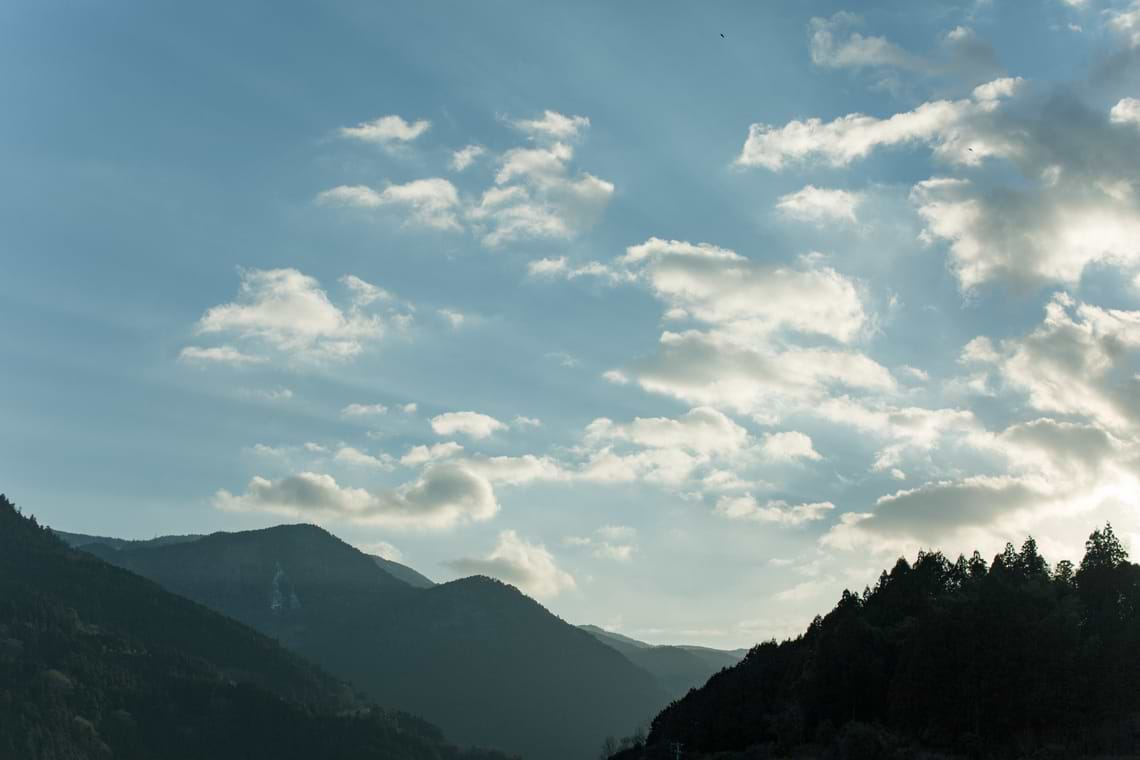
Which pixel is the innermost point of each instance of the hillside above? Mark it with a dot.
(1009, 660)
(403, 572)
(96, 662)
(677, 668)
(485, 662)
(82, 540)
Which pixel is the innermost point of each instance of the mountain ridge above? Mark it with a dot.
(678, 667)
(96, 662)
(490, 665)
(964, 659)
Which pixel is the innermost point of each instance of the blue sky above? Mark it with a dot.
(721, 325)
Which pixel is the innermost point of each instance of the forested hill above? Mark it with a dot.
(489, 665)
(96, 662)
(1009, 660)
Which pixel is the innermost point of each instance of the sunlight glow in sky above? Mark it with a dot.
(681, 334)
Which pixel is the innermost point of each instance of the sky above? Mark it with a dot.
(681, 317)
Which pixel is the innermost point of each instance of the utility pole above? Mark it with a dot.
(676, 747)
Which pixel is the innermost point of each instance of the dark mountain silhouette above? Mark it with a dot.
(96, 662)
(488, 664)
(677, 668)
(940, 659)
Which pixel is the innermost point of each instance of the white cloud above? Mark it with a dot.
(564, 359)
(529, 566)
(933, 512)
(364, 293)
(720, 287)
(616, 376)
(385, 130)
(818, 204)
(553, 125)
(410, 408)
(541, 165)
(834, 45)
(546, 267)
(270, 394)
(617, 532)
(1126, 23)
(906, 430)
(465, 156)
(1074, 205)
(1048, 470)
(1126, 111)
(618, 552)
(444, 496)
(417, 455)
(454, 318)
(525, 422)
(612, 542)
(920, 375)
(1077, 362)
(536, 197)
(430, 202)
(219, 355)
(702, 430)
(559, 267)
(960, 131)
(364, 410)
(471, 424)
(789, 446)
(778, 512)
(357, 458)
(689, 452)
(754, 378)
(360, 196)
(288, 311)
(979, 350)
(671, 467)
(265, 450)
(1050, 235)
(517, 471)
(382, 549)
(961, 55)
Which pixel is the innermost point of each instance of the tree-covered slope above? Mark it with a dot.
(487, 664)
(1011, 660)
(96, 662)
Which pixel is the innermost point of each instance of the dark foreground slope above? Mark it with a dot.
(1009, 661)
(489, 665)
(677, 668)
(96, 662)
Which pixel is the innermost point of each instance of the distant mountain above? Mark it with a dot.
(81, 540)
(940, 659)
(96, 662)
(491, 666)
(677, 668)
(403, 572)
